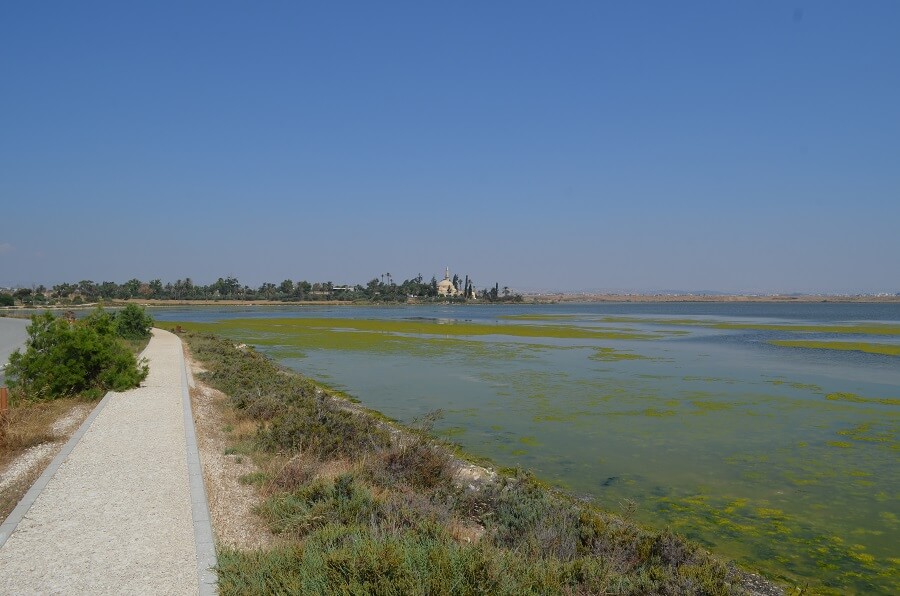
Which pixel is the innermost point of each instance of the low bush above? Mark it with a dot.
(341, 501)
(353, 560)
(63, 359)
(294, 414)
(133, 322)
(416, 459)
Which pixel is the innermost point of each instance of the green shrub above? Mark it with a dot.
(343, 501)
(133, 322)
(353, 560)
(7, 300)
(64, 359)
(299, 417)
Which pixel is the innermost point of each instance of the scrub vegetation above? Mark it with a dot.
(364, 506)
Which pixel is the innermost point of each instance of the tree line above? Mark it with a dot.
(379, 289)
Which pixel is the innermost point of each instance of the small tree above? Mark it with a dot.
(65, 359)
(133, 322)
(7, 300)
(23, 295)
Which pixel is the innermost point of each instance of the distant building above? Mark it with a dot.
(445, 286)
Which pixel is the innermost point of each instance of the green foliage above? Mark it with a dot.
(357, 559)
(298, 415)
(133, 322)
(287, 291)
(7, 300)
(342, 501)
(354, 559)
(64, 359)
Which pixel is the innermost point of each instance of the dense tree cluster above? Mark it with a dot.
(380, 289)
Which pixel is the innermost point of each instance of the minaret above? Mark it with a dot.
(447, 273)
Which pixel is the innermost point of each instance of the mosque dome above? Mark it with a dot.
(445, 287)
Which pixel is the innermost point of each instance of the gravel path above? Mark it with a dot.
(116, 516)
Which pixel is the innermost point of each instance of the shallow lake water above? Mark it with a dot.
(783, 457)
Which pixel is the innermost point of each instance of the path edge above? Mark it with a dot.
(203, 534)
(24, 505)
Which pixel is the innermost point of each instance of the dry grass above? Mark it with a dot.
(12, 494)
(31, 424)
(466, 533)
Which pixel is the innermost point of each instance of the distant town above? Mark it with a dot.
(382, 288)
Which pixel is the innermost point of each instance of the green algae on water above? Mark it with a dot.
(880, 433)
(657, 413)
(430, 327)
(710, 406)
(853, 329)
(852, 397)
(841, 444)
(798, 386)
(855, 346)
(782, 543)
(614, 355)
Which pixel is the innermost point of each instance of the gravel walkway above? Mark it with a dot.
(119, 514)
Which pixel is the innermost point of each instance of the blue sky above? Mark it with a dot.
(749, 146)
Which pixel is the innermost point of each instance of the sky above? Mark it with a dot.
(630, 146)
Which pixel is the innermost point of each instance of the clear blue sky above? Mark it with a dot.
(736, 146)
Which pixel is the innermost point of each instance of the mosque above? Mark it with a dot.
(445, 287)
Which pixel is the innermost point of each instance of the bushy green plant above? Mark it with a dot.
(342, 501)
(133, 322)
(63, 358)
(354, 559)
(6, 300)
(299, 417)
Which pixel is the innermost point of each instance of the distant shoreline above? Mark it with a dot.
(649, 298)
(551, 298)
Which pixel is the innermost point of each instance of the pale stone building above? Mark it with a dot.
(446, 287)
